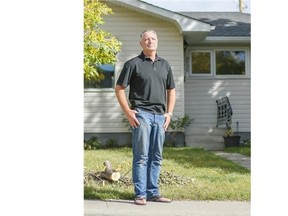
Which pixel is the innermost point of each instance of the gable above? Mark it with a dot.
(185, 24)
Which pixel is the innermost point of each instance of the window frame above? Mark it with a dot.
(213, 61)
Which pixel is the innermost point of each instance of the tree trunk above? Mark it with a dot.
(110, 173)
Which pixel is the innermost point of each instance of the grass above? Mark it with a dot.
(187, 174)
(244, 150)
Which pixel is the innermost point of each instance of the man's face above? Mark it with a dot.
(149, 41)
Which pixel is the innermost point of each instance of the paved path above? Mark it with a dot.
(176, 208)
(236, 158)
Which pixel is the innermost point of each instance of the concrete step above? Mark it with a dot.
(207, 146)
(205, 131)
(210, 143)
(206, 138)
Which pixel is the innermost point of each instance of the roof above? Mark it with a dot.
(185, 24)
(226, 23)
(207, 27)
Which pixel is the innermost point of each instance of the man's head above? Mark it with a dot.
(149, 40)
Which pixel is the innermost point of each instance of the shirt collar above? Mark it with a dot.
(143, 57)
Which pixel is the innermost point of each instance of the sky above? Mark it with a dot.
(201, 5)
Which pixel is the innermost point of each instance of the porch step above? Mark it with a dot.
(205, 130)
(207, 138)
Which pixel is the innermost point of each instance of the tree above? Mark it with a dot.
(100, 47)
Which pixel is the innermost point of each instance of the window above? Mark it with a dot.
(226, 62)
(201, 62)
(107, 70)
(230, 63)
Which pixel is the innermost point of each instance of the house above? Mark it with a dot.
(210, 57)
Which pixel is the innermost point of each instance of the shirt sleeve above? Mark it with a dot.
(170, 79)
(125, 75)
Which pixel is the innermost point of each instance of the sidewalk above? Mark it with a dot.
(176, 208)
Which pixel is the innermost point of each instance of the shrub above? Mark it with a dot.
(180, 123)
(92, 143)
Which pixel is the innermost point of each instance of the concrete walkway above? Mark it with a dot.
(176, 208)
(236, 158)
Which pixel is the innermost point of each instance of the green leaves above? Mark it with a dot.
(180, 123)
(100, 47)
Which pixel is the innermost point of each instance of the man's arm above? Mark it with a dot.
(171, 99)
(130, 114)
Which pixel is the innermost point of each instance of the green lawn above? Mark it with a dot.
(187, 174)
(244, 150)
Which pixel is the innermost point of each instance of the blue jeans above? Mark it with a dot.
(147, 145)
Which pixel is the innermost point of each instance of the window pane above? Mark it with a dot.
(230, 62)
(201, 63)
(107, 71)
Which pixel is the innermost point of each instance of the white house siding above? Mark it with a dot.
(201, 96)
(102, 113)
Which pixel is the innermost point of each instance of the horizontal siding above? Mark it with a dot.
(102, 113)
(201, 96)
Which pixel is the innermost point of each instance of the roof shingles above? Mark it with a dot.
(226, 23)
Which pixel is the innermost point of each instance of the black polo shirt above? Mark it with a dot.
(148, 82)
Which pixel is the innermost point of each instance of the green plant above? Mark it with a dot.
(244, 150)
(247, 142)
(231, 139)
(111, 143)
(92, 143)
(177, 125)
(229, 132)
(180, 123)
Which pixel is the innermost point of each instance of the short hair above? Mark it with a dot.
(147, 30)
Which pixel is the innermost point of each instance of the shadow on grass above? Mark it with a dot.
(199, 158)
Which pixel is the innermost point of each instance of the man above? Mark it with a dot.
(152, 100)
